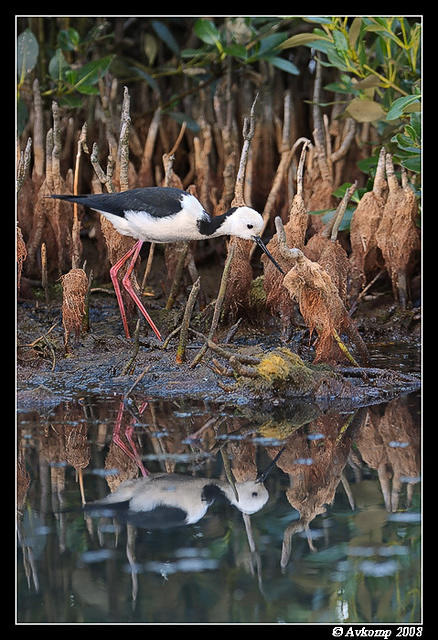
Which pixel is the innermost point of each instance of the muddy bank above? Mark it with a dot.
(98, 361)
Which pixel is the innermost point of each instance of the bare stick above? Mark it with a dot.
(181, 351)
(38, 131)
(57, 145)
(44, 279)
(364, 291)
(231, 333)
(123, 153)
(341, 211)
(344, 349)
(104, 178)
(217, 307)
(137, 380)
(179, 138)
(318, 132)
(76, 229)
(241, 357)
(379, 178)
(248, 134)
(283, 167)
(145, 173)
(148, 265)
(350, 126)
(177, 277)
(170, 336)
(129, 367)
(23, 165)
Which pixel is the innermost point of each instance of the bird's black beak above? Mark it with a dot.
(261, 477)
(262, 246)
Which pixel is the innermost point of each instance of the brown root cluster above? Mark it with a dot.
(398, 236)
(74, 291)
(325, 249)
(320, 305)
(366, 257)
(278, 302)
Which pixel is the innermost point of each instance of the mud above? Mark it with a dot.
(97, 361)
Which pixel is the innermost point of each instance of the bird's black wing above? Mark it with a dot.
(157, 201)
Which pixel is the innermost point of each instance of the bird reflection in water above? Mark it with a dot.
(163, 500)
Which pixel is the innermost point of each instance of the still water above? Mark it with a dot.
(296, 516)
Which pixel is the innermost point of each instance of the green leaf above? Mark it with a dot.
(87, 89)
(284, 65)
(27, 53)
(405, 143)
(91, 72)
(237, 51)
(365, 110)
(412, 164)
(68, 39)
(368, 165)
(73, 102)
(335, 59)
(149, 79)
(318, 20)
(346, 220)
(411, 133)
(150, 47)
(340, 192)
(398, 107)
(301, 39)
(206, 31)
(416, 124)
(354, 31)
(271, 42)
(58, 66)
(163, 32)
(341, 43)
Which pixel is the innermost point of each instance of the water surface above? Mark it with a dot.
(338, 539)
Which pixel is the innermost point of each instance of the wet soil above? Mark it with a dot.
(97, 362)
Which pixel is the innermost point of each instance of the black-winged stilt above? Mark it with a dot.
(163, 500)
(161, 215)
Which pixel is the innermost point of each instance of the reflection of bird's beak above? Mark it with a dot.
(262, 246)
(261, 477)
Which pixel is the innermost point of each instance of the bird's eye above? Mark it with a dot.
(250, 226)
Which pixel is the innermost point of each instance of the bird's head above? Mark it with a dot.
(247, 223)
(244, 222)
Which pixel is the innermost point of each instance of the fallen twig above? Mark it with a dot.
(180, 353)
(217, 308)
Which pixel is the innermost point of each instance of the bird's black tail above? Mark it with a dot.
(77, 199)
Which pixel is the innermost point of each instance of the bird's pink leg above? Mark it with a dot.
(132, 455)
(128, 286)
(128, 434)
(113, 273)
